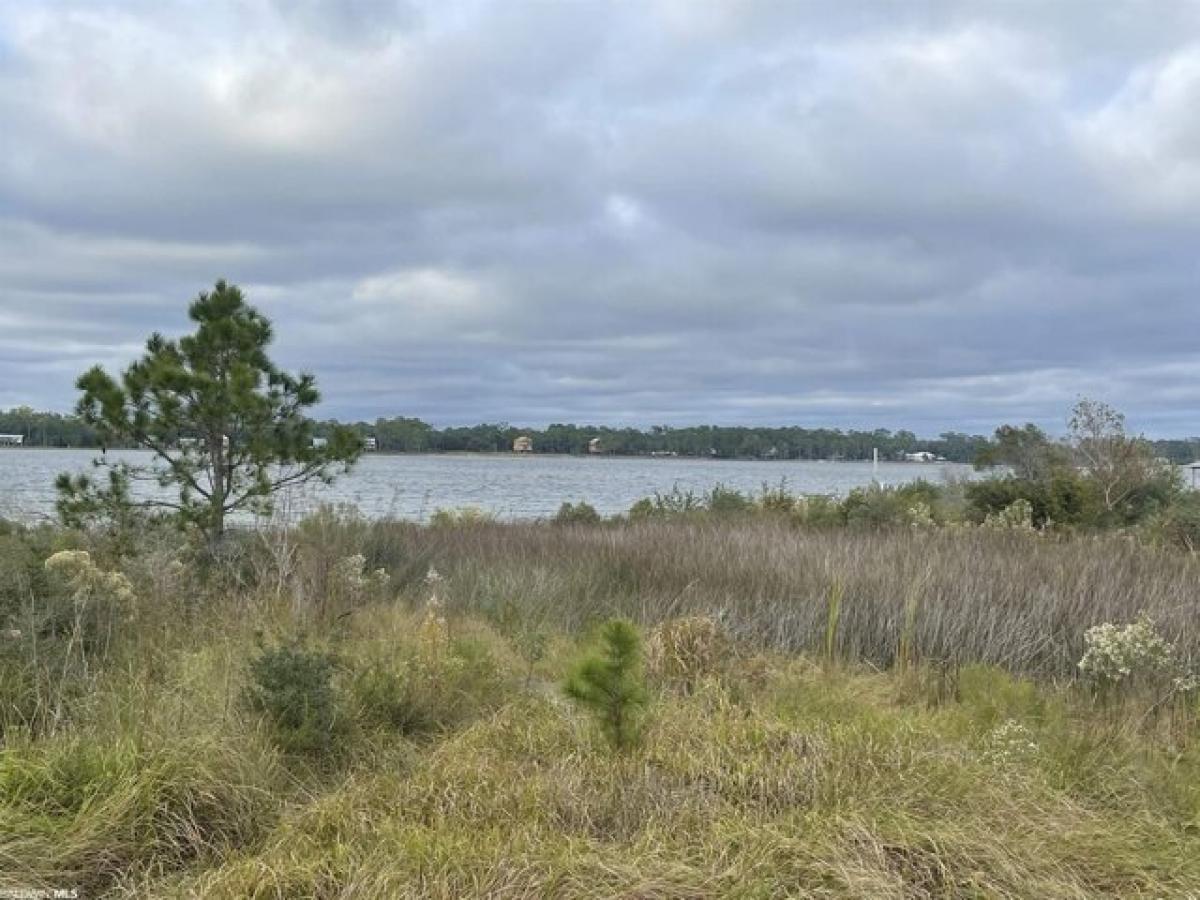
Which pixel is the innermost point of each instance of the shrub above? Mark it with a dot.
(465, 517)
(1117, 654)
(609, 683)
(728, 501)
(293, 686)
(1017, 516)
(881, 507)
(819, 511)
(683, 652)
(581, 513)
(676, 502)
(920, 515)
(1063, 498)
(1177, 525)
(321, 561)
(355, 584)
(432, 685)
(777, 499)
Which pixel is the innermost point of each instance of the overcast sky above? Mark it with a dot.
(906, 215)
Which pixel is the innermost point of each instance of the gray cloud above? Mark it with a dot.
(930, 215)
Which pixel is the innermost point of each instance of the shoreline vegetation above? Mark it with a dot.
(830, 702)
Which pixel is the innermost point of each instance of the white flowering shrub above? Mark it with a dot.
(1017, 516)
(96, 601)
(920, 515)
(87, 583)
(349, 575)
(1008, 743)
(1120, 653)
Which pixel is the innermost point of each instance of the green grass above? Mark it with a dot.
(453, 765)
(833, 787)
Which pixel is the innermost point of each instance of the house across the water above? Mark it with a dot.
(523, 444)
(922, 456)
(11, 440)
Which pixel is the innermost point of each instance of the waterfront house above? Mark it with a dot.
(523, 444)
(370, 444)
(594, 446)
(11, 440)
(921, 456)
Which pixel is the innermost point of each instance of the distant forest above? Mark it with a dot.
(407, 435)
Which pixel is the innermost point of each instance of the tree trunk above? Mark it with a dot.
(216, 519)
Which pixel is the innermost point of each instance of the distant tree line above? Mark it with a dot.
(411, 435)
(414, 436)
(47, 429)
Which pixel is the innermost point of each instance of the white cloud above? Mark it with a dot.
(1145, 142)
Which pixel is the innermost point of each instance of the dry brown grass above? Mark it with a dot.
(952, 596)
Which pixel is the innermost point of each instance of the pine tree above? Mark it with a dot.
(609, 683)
(226, 427)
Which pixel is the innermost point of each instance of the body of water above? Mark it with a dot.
(412, 486)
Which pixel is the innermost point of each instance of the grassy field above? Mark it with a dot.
(894, 713)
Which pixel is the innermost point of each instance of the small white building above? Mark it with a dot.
(921, 456)
(370, 444)
(195, 443)
(594, 446)
(523, 444)
(11, 440)
(320, 443)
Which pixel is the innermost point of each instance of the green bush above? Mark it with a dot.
(458, 518)
(581, 513)
(437, 685)
(675, 502)
(1063, 498)
(723, 500)
(1178, 525)
(293, 686)
(777, 499)
(819, 511)
(609, 683)
(884, 507)
(1158, 495)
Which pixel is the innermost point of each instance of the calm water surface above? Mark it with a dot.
(412, 486)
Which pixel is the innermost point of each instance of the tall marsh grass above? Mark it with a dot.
(1018, 600)
(354, 709)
